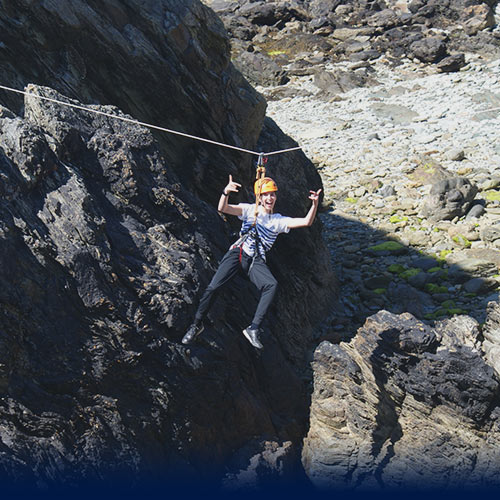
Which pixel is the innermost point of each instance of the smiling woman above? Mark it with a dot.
(259, 230)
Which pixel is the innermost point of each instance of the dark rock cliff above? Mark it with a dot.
(405, 406)
(108, 234)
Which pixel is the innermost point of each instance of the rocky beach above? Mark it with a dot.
(379, 150)
(381, 361)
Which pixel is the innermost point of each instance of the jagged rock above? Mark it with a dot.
(110, 234)
(451, 64)
(491, 334)
(403, 406)
(332, 83)
(386, 19)
(478, 18)
(429, 50)
(449, 198)
(428, 171)
(391, 27)
(490, 233)
(260, 69)
(261, 464)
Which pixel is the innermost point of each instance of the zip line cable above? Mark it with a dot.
(143, 124)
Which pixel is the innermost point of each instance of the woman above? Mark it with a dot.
(248, 254)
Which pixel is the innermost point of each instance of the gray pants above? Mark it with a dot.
(258, 273)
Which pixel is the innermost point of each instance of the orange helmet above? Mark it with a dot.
(264, 185)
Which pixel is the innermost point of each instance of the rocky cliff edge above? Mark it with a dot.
(108, 235)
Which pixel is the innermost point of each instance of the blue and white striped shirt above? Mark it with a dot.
(268, 226)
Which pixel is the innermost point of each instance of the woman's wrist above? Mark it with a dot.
(224, 193)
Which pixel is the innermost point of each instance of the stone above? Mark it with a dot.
(463, 269)
(406, 298)
(386, 191)
(491, 333)
(427, 170)
(261, 69)
(466, 230)
(451, 64)
(476, 210)
(478, 18)
(479, 285)
(456, 154)
(424, 263)
(431, 49)
(449, 198)
(378, 422)
(490, 233)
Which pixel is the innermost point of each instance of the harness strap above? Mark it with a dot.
(258, 243)
(260, 174)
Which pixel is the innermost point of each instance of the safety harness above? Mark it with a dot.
(260, 174)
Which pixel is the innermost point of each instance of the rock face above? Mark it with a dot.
(110, 233)
(491, 333)
(404, 406)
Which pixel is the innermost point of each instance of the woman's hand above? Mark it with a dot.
(232, 187)
(224, 206)
(314, 196)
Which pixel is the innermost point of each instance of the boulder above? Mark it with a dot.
(110, 233)
(478, 18)
(451, 63)
(338, 82)
(403, 406)
(449, 198)
(260, 69)
(491, 333)
(429, 50)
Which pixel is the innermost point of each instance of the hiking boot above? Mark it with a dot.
(193, 331)
(253, 337)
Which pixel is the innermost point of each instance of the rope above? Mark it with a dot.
(143, 124)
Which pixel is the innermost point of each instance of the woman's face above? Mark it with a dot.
(267, 200)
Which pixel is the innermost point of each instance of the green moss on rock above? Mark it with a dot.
(433, 288)
(461, 240)
(388, 246)
(409, 273)
(398, 218)
(492, 195)
(396, 268)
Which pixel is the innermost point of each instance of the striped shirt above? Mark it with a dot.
(268, 227)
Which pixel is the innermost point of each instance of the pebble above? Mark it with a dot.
(420, 115)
